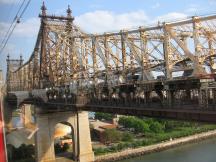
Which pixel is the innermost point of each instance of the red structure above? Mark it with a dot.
(2, 141)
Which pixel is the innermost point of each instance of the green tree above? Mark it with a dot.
(170, 125)
(141, 127)
(105, 116)
(120, 146)
(128, 122)
(24, 152)
(112, 135)
(127, 137)
(65, 147)
(156, 127)
(58, 148)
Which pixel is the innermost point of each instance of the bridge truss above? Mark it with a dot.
(171, 63)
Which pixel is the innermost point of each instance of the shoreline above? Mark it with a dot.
(130, 153)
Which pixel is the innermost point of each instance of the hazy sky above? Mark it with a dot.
(93, 16)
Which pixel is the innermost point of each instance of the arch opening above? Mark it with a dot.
(64, 141)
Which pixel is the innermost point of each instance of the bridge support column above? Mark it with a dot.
(147, 97)
(203, 98)
(26, 114)
(8, 116)
(188, 94)
(214, 96)
(170, 97)
(80, 131)
(86, 154)
(44, 141)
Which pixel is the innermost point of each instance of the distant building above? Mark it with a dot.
(98, 128)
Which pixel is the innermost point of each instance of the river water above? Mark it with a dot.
(204, 151)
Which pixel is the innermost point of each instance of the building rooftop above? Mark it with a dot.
(101, 125)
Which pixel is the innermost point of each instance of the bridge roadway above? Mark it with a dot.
(157, 103)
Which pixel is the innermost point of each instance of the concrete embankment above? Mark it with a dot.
(125, 154)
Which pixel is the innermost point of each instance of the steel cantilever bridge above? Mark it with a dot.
(166, 70)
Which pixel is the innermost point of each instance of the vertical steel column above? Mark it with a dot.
(94, 58)
(170, 96)
(211, 52)
(124, 59)
(198, 60)
(196, 37)
(58, 44)
(144, 55)
(35, 69)
(24, 77)
(132, 60)
(106, 52)
(21, 78)
(167, 52)
(107, 66)
(43, 57)
(75, 59)
(117, 54)
(29, 75)
(85, 73)
(8, 74)
(204, 95)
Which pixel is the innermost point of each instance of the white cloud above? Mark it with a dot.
(171, 17)
(9, 1)
(105, 21)
(28, 28)
(157, 5)
(102, 21)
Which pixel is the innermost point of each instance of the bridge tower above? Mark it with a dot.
(12, 65)
(46, 121)
(1, 77)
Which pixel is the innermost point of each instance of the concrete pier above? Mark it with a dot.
(44, 138)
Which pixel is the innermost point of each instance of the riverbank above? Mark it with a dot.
(129, 153)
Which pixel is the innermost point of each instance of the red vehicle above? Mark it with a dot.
(2, 136)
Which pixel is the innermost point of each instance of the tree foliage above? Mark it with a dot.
(23, 152)
(65, 147)
(135, 123)
(60, 149)
(105, 116)
(127, 137)
(112, 135)
(156, 127)
(155, 130)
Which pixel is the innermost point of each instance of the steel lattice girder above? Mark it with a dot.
(63, 53)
